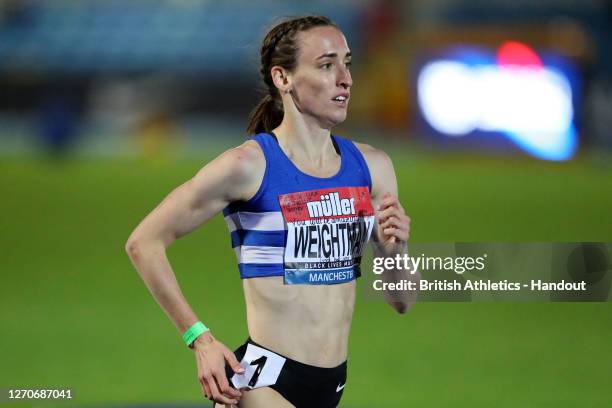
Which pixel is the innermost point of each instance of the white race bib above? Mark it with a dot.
(327, 231)
(261, 368)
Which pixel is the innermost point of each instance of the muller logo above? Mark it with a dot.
(331, 204)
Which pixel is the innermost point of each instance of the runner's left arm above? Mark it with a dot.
(390, 237)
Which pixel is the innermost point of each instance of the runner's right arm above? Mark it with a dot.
(234, 175)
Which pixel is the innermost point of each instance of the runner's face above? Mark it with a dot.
(322, 75)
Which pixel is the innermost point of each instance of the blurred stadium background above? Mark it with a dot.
(497, 114)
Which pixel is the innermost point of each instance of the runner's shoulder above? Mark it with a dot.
(376, 159)
(246, 162)
(237, 172)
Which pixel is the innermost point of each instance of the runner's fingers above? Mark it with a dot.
(382, 208)
(217, 396)
(399, 234)
(389, 212)
(388, 200)
(394, 222)
(202, 379)
(399, 220)
(206, 388)
(233, 362)
(225, 387)
(390, 231)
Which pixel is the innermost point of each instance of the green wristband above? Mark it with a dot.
(193, 332)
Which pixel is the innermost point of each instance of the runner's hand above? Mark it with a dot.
(393, 223)
(211, 356)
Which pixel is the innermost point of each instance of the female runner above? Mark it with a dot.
(300, 204)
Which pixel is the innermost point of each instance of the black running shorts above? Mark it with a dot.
(303, 385)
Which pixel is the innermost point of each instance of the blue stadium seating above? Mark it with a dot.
(118, 36)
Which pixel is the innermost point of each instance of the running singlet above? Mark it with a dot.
(311, 230)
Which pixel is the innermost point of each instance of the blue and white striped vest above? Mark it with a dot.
(259, 230)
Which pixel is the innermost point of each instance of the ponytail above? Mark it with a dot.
(266, 116)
